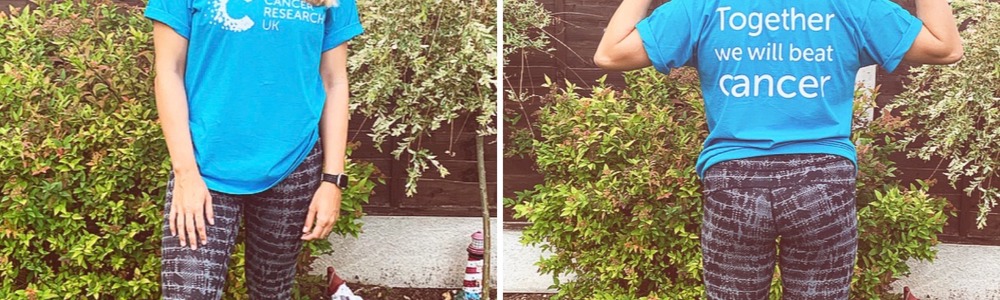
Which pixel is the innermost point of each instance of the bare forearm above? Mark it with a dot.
(171, 104)
(333, 128)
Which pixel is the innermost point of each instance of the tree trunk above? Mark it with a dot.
(484, 197)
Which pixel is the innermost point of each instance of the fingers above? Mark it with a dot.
(310, 218)
(182, 231)
(209, 211)
(191, 208)
(189, 226)
(323, 212)
(322, 223)
(328, 226)
(172, 220)
(199, 223)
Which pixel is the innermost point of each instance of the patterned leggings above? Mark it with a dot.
(806, 200)
(274, 221)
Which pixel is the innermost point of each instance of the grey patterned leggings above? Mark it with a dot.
(274, 221)
(806, 200)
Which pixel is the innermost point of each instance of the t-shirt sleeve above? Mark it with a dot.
(669, 36)
(342, 24)
(173, 13)
(887, 33)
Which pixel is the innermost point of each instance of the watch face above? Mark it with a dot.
(340, 179)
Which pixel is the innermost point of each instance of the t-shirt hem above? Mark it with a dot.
(219, 186)
(906, 41)
(171, 21)
(707, 160)
(342, 35)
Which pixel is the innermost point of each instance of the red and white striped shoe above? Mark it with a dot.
(336, 287)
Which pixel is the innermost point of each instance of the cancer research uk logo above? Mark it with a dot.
(228, 22)
(274, 12)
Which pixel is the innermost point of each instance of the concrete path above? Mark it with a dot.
(415, 252)
(959, 272)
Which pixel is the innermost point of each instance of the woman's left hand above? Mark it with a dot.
(323, 212)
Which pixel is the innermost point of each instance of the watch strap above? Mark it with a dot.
(340, 180)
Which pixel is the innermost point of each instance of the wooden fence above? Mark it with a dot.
(457, 195)
(578, 29)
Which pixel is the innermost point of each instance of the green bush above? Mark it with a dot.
(957, 108)
(83, 166)
(423, 64)
(895, 224)
(621, 202)
(900, 224)
(620, 205)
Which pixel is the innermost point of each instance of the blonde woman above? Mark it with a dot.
(253, 100)
(778, 162)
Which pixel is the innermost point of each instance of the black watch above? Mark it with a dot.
(340, 179)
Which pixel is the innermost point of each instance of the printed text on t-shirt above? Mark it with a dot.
(782, 85)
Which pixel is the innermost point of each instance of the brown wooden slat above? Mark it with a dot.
(466, 171)
(446, 193)
(425, 211)
(462, 146)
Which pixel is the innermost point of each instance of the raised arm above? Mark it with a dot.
(621, 48)
(938, 42)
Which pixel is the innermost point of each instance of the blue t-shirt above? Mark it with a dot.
(777, 76)
(255, 95)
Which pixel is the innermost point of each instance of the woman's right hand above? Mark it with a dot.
(190, 207)
(191, 202)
